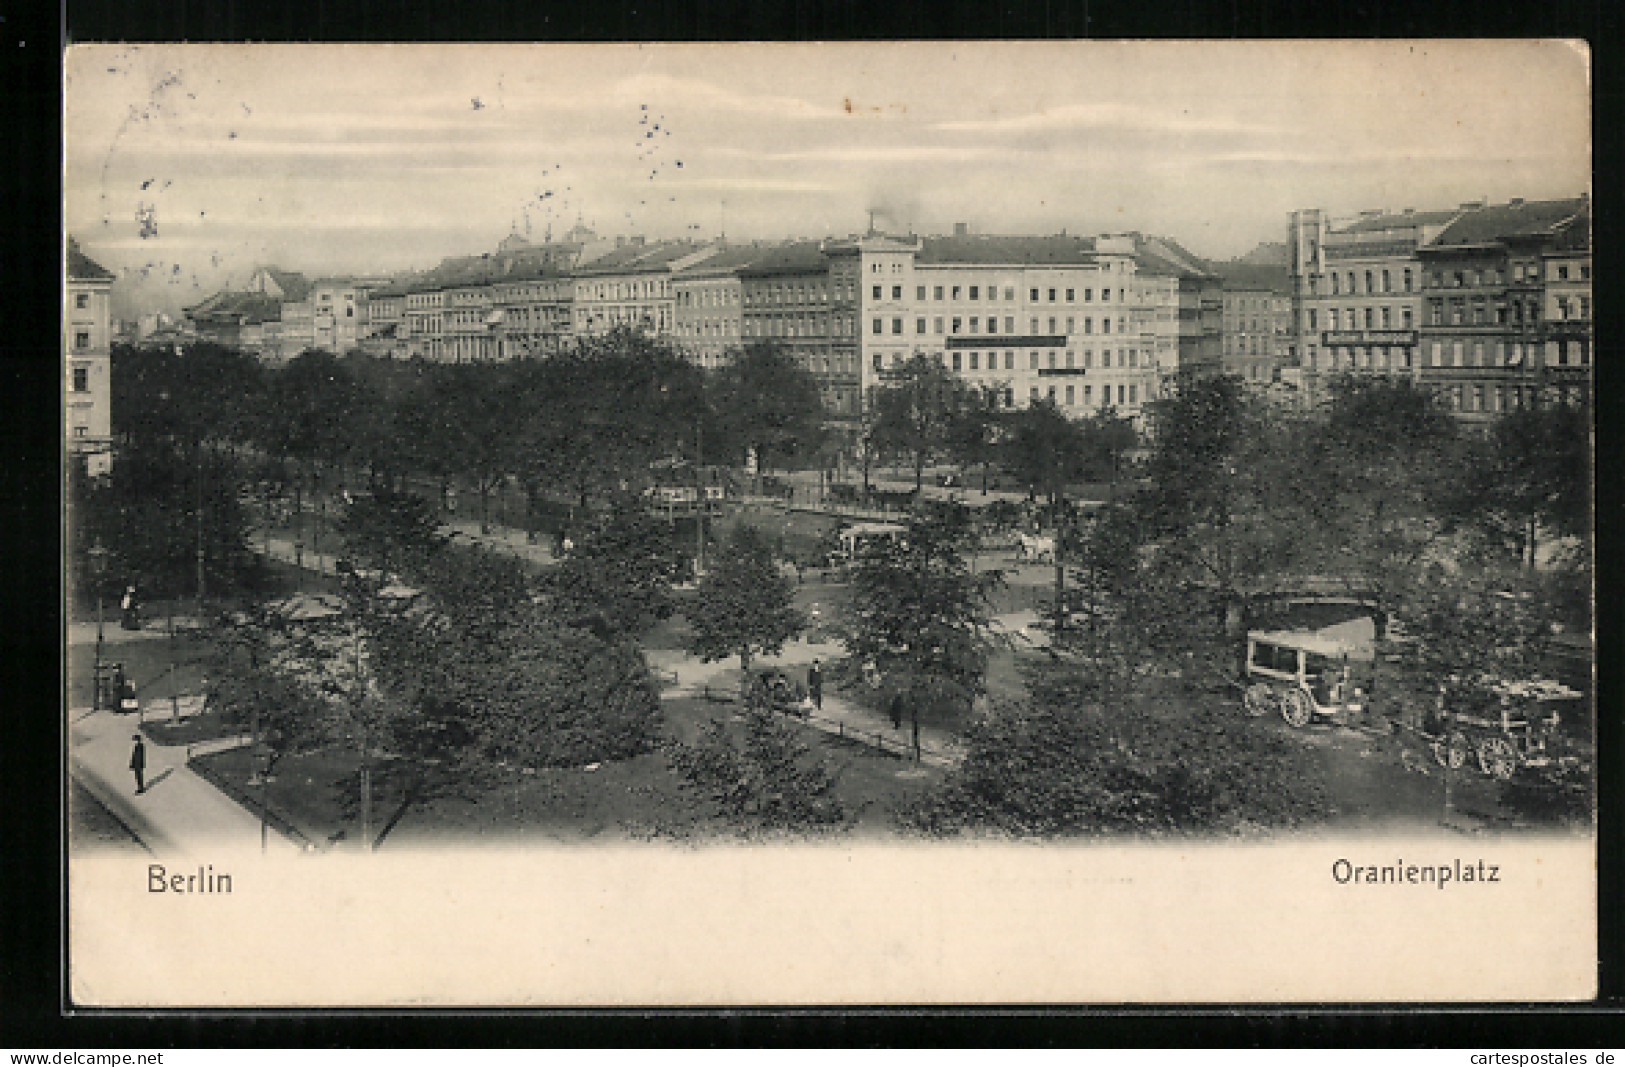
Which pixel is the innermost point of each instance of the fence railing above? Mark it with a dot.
(875, 739)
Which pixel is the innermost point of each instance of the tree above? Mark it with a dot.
(770, 405)
(1536, 477)
(390, 531)
(977, 429)
(618, 579)
(1044, 450)
(766, 781)
(915, 412)
(920, 617)
(744, 605)
(1063, 762)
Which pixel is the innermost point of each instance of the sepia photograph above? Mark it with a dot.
(889, 523)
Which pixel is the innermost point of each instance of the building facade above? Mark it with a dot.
(1506, 298)
(1257, 320)
(1357, 292)
(631, 287)
(802, 298)
(1021, 318)
(87, 366)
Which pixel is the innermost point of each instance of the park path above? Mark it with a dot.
(180, 812)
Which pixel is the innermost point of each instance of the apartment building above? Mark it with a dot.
(1506, 306)
(1062, 318)
(87, 360)
(1356, 290)
(1256, 320)
(802, 295)
(708, 305)
(631, 287)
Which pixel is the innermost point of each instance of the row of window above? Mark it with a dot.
(1347, 282)
(957, 324)
(1127, 358)
(952, 292)
(1352, 318)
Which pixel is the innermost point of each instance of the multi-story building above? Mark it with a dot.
(534, 294)
(87, 360)
(386, 321)
(1061, 318)
(803, 296)
(338, 314)
(1356, 290)
(1506, 306)
(424, 319)
(631, 287)
(1257, 319)
(1199, 312)
(708, 305)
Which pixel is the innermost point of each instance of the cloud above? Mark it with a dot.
(1108, 115)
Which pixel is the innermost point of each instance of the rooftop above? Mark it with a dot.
(1535, 218)
(990, 249)
(81, 268)
(1398, 221)
(640, 258)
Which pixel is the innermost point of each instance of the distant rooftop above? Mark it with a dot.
(1398, 220)
(1535, 218)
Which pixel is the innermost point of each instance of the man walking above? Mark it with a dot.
(897, 711)
(138, 764)
(815, 685)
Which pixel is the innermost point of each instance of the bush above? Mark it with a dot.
(1047, 769)
(767, 781)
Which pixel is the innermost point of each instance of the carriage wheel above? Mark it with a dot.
(1297, 708)
(1259, 699)
(1440, 753)
(1457, 749)
(1497, 758)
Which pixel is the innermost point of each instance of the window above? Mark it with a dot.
(956, 324)
(1052, 324)
(1337, 287)
(877, 292)
(1105, 325)
(1088, 394)
(1069, 360)
(956, 292)
(936, 292)
(975, 323)
(974, 291)
(81, 379)
(1052, 360)
(1071, 294)
(1312, 317)
(81, 339)
(1009, 292)
(1088, 295)
(1032, 394)
(975, 358)
(1033, 323)
(896, 325)
(1009, 361)
(1332, 319)
(919, 325)
(1106, 359)
(936, 324)
(1069, 399)
(1032, 295)
(1032, 360)
(1070, 324)
(897, 292)
(1368, 286)
(1105, 294)
(992, 324)
(1387, 282)
(956, 361)
(1052, 296)
(1132, 390)
(1369, 318)
(81, 300)
(877, 355)
(1088, 358)
(877, 326)
(1120, 394)
(919, 292)
(1585, 272)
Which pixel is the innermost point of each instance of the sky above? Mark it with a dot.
(189, 165)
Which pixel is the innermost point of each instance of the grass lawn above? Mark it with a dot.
(146, 663)
(316, 794)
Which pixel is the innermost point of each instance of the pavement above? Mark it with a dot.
(687, 676)
(181, 812)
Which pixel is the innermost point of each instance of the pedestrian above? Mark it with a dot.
(130, 610)
(897, 711)
(815, 685)
(118, 687)
(138, 763)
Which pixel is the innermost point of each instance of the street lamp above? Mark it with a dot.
(98, 567)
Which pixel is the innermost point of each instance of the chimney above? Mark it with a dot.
(1469, 205)
(637, 241)
(1516, 201)
(1410, 211)
(961, 229)
(1372, 213)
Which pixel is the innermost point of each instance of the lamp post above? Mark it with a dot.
(98, 568)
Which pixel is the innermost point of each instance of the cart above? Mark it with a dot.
(1509, 726)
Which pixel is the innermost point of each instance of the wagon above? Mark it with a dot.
(1306, 674)
(1512, 731)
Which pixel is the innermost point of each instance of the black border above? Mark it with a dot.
(31, 866)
